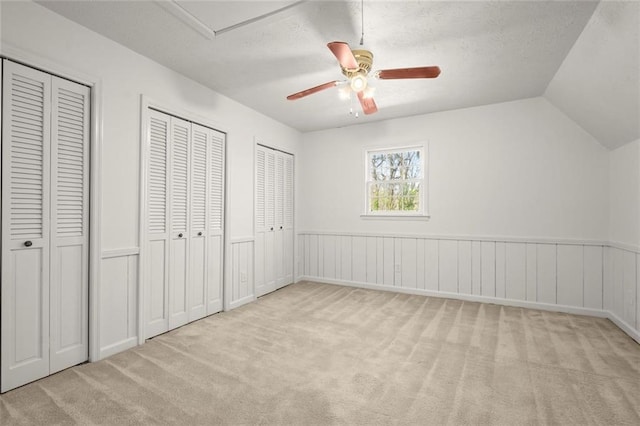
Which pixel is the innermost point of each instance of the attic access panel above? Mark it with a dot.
(218, 15)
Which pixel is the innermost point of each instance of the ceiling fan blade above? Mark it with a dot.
(368, 104)
(343, 53)
(399, 73)
(313, 90)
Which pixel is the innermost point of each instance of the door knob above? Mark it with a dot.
(28, 243)
(271, 229)
(180, 235)
(281, 227)
(199, 234)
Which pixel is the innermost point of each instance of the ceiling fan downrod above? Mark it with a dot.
(362, 22)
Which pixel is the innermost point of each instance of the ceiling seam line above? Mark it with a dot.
(257, 18)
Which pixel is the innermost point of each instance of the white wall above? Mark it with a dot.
(517, 169)
(597, 84)
(622, 260)
(523, 205)
(125, 75)
(624, 194)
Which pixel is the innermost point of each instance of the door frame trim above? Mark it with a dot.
(47, 65)
(147, 103)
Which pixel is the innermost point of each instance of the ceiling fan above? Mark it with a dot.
(356, 65)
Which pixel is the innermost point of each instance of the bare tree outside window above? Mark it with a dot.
(395, 180)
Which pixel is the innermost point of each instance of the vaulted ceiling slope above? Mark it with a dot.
(489, 51)
(583, 56)
(598, 84)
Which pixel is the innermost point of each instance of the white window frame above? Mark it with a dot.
(420, 214)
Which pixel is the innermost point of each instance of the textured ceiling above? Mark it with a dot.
(598, 85)
(489, 51)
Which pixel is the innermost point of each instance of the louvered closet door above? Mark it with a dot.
(156, 286)
(179, 236)
(274, 220)
(215, 246)
(288, 235)
(260, 218)
(278, 236)
(69, 224)
(270, 218)
(200, 140)
(265, 220)
(26, 131)
(184, 249)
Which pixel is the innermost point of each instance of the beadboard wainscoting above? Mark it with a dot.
(589, 278)
(622, 287)
(118, 306)
(241, 289)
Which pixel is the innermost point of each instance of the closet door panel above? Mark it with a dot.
(274, 220)
(68, 307)
(200, 140)
(26, 131)
(179, 238)
(260, 215)
(279, 220)
(69, 285)
(197, 278)
(178, 291)
(288, 219)
(214, 274)
(270, 209)
(156, 285)
(215, 256)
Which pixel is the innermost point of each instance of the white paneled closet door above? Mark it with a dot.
(288, 234)
(215, 243)
(45, 124)
(185, 223)
(278, 240)
(274, 220)
(265, 221)
(69, 224)
(26, 132)
(200, 141)
(270, 222)
(179, 236)
(156, 286)
(260, 219)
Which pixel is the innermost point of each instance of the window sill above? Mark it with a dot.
(418, 217)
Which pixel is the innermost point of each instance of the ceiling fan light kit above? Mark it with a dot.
(358, 83)
(356, 65)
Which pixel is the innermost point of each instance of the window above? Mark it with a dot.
(395, 182)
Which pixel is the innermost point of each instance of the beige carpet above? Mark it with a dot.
(321, 354)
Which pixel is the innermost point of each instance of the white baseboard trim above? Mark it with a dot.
(599, 313)
(466, 297)
(624, 326)
(284, 285)
(237, 303)
(117, 347)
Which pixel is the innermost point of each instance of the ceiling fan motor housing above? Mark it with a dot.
(356, 65)
(365, 61)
